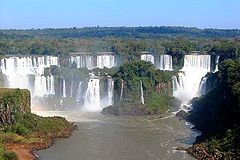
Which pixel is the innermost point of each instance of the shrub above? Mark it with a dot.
(10, 156)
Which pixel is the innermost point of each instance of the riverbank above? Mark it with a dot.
(26, 146)
(134, 137)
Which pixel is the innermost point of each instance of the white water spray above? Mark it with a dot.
(217, 62)
(27, 73)
(83, 61)
(187, 86)
(79, 92)
(64, 89)
(142, 97)
(110, 91)
(71, 94)
(165, 62)
(105, 61)
(147, 57)
(50, 85)
(121, 93)
(92, 96)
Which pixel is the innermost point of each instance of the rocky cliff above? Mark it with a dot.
(13, 101)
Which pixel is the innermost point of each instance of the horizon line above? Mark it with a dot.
(97, 26)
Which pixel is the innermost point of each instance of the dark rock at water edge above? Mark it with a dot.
(182, 115)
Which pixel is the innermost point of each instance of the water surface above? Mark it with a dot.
(120, 138)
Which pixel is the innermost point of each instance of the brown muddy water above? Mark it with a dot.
(103, 137)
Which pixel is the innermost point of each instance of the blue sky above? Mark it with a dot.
(81, 13)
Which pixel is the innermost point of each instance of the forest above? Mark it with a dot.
(216, 114)
(123, 41)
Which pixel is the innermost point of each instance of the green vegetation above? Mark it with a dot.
(126, 43)
(6, 155)
(216, 114)
(133, 32)
(17, 100)
(157, 89)
(19, 125)
(29, 123)
(158, 103)
(81, 74)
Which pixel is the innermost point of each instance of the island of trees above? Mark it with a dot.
(215, 114)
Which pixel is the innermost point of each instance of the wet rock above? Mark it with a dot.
(182, 115)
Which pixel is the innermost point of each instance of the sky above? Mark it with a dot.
(27, 14)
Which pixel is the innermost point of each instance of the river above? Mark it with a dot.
(103, 137)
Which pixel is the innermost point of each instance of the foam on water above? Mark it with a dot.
(186, 87)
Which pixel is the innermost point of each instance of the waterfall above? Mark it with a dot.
(165, 62)
(105, 61)
(147, 57)
(18, 71)
(71, 94)
(195, 68)
(110, 91)
(217, 62)
(40, 86)
(176, 85)
(142, 97)
(203, 83)
(121, 94)
(64, 89)
(50, 85)
(92, 96)
(203, 86)
(79, 92)
(83, 61)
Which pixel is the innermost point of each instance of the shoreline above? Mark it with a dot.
(27, 151)
(30, 149)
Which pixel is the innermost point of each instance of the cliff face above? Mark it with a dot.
(219, 109)
(13, 101)
(216, 114)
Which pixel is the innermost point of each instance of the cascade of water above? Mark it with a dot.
(71, 94)
(195, 67)
(105, 61)
(203, 86)
(121, 94)
(64, 95)
(142, 97)
(217, 62)
(165, 62)
(50, 85)
(18, 69)
(176, 85)
(147, 57)
(92, 96)
(83, 61)
(203, 83)
(79, 92)
(40, 86)
(110, 91)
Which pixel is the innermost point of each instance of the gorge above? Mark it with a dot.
(138, 93)
(94, 91)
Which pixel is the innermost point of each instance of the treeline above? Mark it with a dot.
(122, 32)
(129, 49)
